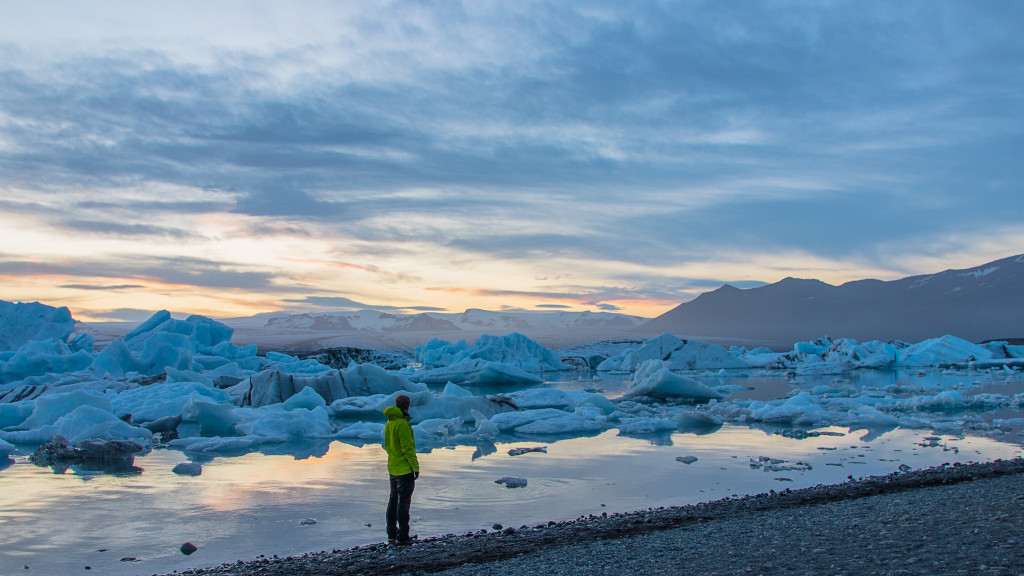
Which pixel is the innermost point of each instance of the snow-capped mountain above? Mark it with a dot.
(986, 302)
(471, 320)
(376, 329)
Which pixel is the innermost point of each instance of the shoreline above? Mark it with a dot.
(452, 552)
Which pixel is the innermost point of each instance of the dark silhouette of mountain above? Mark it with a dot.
(976, 304)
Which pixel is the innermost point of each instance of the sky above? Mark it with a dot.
(231, 158)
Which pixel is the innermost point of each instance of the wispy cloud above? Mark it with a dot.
(352, 148)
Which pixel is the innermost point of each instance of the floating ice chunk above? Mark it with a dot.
(149, 356)
(760, 356)
(438, 427)
(274, 386)
(214, 419)
(83, 423)
(460, 407)
(43, 357)
(680, 354)
(284, 422)
(477, 372)
(115, 361)
(800, 410)
(22, 322)
(306, 398)
(654, 379)
(549, 398)
(50, 408)
(686, 459)
(1004, 350)
(591, 412)
(644, 425)
(454, 390)
(694, 421)
(864, 416)
(438, 352)
(484, 427)
(292, 365)
(15, 413)
(953, 401)
(200, 331)
(362, 431)
(945, 350)
(151, 403)
(873, 354)
(221, 445)
(545, 421)
(511, 349)
(174, 375)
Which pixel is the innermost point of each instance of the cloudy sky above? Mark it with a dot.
(229, 158)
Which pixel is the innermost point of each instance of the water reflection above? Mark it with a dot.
(249, 504)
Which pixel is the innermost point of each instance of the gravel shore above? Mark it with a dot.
(959, 519)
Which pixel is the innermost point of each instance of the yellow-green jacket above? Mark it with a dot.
(399, 443)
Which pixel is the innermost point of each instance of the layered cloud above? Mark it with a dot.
(245, 157)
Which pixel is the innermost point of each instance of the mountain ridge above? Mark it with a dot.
(978, 303)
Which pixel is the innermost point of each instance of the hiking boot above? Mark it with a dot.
(406, 541)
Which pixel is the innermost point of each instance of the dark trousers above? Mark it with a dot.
(398, 506)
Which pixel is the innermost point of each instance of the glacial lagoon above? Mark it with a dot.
(264, 502)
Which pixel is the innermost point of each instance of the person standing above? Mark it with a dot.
(403, 468)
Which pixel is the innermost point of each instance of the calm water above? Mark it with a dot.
(241, 507)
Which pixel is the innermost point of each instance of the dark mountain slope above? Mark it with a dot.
(975, 304)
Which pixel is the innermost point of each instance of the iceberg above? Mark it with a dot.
(273, 386)
(38, 357)
(477, 372)
(655, 379)
(563, 400)
(21, 323)
(680, 354)
(512, 350)
(544, 421)
(285, 422)
(83, 423)
(940, 351)
(159, 401)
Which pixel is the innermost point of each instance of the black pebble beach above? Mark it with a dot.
(951, 519)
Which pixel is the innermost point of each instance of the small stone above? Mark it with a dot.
(521, 451)
(496, 527)
(188, 548)
(511, 482)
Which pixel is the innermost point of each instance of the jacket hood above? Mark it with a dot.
(394, 413)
